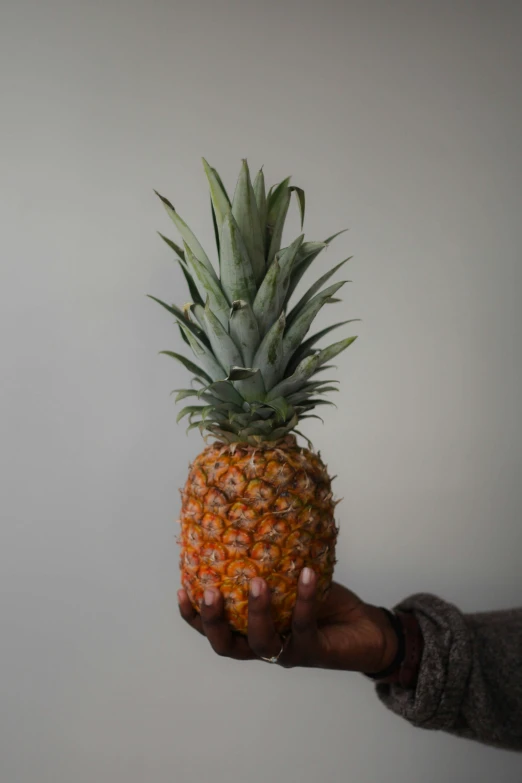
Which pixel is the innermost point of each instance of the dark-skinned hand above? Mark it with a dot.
(341, 632)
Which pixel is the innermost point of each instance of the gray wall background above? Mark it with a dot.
(401, 120)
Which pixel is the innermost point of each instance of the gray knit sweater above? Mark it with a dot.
(470, 678)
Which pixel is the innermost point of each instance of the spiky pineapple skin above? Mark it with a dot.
(263, 511)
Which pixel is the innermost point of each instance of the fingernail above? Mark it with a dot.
(208, 597)
(180, 596)
(306, 575)
(255, 588)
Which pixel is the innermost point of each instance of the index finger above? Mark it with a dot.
(304, 617)
(262, 635)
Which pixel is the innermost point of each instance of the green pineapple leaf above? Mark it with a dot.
(218, 195)
(335, 349)
(309, 390)
(221, 433)
(243, 419)
(183, 335)
(223, 346)
(246, 214)
(216, 229)
(244, 330)
(190, 366)
(224, 391)
(282, 431)
(269, 356)
(272, 291)
(204, 355)
(182, 262)
(327, 367)
(183, 394)
(258, 428)
(291, 384)
(316, 337)
(187, 235)
(189, 410)
(306, 440)
(281, 407)
(277, 209)
(305, 349)
(313, 403)
(241, 373)
(311, 416)
(192, 287)
(176, 248)
(209, 288)
(260, 194)
(251, 386)
(303, 321)
(306, 256)
(227, 408)
(195, 425)
(237, 275)
(180, 316)
(313, 290)
(334, 236)
(320, 389)
(301, 201)
(198, 311)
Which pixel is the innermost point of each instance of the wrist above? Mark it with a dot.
(380, 655)
(402, 667)
(393, 641)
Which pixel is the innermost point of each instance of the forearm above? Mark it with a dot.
(470, 675)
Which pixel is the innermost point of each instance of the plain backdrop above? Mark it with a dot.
(402, 121)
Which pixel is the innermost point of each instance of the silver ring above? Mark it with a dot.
(275, 658)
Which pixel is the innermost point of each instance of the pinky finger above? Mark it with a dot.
(188, 612)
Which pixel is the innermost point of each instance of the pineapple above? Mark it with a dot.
(255, 502)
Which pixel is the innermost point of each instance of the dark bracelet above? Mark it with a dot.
(401, 648)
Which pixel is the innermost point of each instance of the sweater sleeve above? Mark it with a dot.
(470, 676)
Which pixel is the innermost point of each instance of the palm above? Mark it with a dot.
(348, 635)
(341, 632)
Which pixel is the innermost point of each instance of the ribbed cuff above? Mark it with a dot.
(444, 667)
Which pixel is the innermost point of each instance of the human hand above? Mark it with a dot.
(341, 632)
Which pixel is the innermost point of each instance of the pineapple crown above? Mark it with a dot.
(255, 374)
